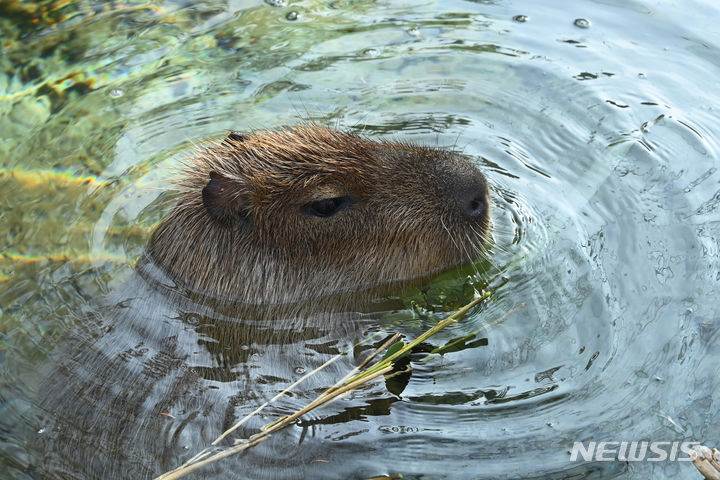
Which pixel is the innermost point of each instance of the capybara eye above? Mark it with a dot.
(327, 207)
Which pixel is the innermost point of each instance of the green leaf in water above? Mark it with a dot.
(458, 344)
(392, 349)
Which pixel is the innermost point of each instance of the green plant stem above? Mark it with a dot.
(436, 328)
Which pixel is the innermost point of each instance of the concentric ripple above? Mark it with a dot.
(594, 122)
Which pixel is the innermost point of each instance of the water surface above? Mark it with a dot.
(595, 123)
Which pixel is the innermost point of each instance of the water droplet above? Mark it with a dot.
(299, 370)
(116, 93)
(521, 18)
(582, 23)
(414, 32)
(193, 319)
(292, 16)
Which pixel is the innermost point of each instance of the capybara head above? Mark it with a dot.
(272, 217)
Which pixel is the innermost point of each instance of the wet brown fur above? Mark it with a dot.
(264, 249)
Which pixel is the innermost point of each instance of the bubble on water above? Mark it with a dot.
(299, 370)
(116, 93)
(582, 23)
(244, 347)
(277, 3)
(41, 431)
(371, 52)
(642, 76)
(292, 16)
(521, 18)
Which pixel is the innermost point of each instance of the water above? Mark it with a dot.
(595, 123)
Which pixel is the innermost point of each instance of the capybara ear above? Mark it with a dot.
(222, 199)
(234, 137)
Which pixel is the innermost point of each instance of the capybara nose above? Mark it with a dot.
(471, 195)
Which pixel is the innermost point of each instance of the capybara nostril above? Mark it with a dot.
(473, 204)
(470, 193)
